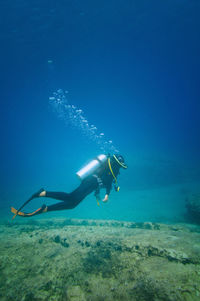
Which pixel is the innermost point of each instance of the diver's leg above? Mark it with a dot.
(74, 198)
(55, 207)
(69, 200)
(62, 196)
(37, 194)
(85, 188)
(63, 205)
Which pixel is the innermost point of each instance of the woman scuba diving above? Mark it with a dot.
(101, 172)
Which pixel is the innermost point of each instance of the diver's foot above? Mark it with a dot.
(38, 194)
(43, 193)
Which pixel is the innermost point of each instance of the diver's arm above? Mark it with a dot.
(108, 189)
(105, 198)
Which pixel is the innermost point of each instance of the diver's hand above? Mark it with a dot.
(105, 198)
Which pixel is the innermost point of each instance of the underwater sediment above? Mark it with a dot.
(89, 260)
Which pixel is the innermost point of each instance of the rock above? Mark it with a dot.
(64, 243)
(57, 239)
(87, 244)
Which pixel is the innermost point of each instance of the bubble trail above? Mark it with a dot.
(74, 117)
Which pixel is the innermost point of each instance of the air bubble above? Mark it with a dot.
(74, 117)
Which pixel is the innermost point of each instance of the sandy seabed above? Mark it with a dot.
(94, 260)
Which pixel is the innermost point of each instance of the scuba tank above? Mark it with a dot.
(91, 167)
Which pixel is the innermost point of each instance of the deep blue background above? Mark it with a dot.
(132, 66)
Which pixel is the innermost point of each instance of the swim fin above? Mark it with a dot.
(23, 214)
(35, 195)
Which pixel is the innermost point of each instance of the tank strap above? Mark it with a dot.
(117, 188)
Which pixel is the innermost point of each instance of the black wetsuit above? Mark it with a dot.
(103, 179)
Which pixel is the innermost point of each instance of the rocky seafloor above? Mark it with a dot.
(89, 260)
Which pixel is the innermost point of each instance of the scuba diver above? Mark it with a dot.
(101, 172)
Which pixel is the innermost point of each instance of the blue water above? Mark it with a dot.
(133, 68)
